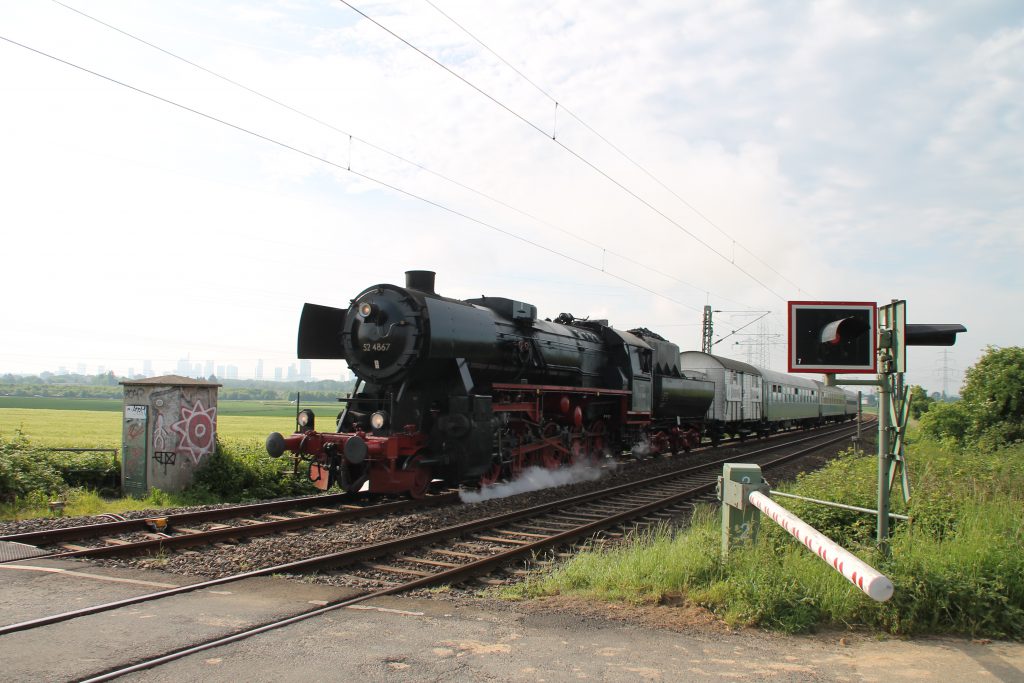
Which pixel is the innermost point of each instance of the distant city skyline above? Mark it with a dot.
(298, 370)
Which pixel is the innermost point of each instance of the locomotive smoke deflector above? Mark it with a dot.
(320, 332)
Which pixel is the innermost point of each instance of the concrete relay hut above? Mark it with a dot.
(170, 430)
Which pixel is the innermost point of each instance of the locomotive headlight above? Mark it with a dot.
(306, 420)
(366, 310)
(379, 420)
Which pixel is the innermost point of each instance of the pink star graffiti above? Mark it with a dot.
(196, 430)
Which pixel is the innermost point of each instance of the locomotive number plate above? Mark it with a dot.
(379, 346)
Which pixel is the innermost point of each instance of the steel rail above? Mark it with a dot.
(74, 533)
(352, 555)
(92, 531)
(190, 540)
(455, 574)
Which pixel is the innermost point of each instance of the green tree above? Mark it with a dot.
(995, 384)
(991, 409)
(920, 401)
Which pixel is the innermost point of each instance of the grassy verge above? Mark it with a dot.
(957, 567)
(80, 502)
(32, 475)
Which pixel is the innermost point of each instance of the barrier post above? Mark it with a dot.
(744, 494)
(740, 519)
(876, 585)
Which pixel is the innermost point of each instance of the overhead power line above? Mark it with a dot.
(382, 183)
(379, 148)
(561, 105)
(565, 147)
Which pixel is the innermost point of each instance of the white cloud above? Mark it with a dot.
(861, 152)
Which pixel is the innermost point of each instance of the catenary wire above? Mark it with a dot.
(383, 150)
(568, 149)
(382, 183)
(561, 105)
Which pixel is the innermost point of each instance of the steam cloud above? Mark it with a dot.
(535, 479)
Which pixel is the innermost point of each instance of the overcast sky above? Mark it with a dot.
(859, 151)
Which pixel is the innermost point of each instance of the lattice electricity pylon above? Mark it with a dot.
(707, 329)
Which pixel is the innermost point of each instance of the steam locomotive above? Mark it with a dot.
(473, 391)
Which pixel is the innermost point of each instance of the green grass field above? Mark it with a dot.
(275, 408)
(79, 427)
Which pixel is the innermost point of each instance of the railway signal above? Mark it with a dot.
(857, 337)
(832, 336)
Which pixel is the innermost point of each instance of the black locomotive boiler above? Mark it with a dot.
(473, 391)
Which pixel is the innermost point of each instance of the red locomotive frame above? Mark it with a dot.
(545, 427)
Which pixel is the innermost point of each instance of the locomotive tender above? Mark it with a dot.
(473, 391)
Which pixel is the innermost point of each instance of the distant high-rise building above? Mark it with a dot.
(197, 370)
(220, 371)
(62, 370)
(259, 369)
(80, 369)
(305, 369)
(131, 373)
(232, 371)
(184, 367)
(278, 372)
(292, 372)
(208, 370)
(147, 368)
(101, 369)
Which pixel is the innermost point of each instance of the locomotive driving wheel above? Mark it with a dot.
(598, 433)
(661, 444)
(550, 457)
(491, 476)
(421, 478)
(691, 439)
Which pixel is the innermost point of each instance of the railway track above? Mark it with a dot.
(455, 553)
(177, 532)
(484, 545)
(187, 530)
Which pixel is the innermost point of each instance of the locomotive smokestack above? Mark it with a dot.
(422, 280)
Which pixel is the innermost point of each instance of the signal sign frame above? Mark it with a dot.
(894, 317)
(813, 313)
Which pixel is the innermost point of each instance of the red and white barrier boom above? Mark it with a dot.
(859, 573)
(743, 493)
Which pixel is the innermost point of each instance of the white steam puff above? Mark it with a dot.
(534, 479)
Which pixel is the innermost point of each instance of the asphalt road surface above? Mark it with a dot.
(420, 639)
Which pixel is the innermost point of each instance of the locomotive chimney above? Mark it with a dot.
(422, 280)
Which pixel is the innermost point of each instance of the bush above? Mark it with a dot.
(970, 580)
(948, 422)
(26, 474)
(244, 472)
(100, 471)
(850, 478)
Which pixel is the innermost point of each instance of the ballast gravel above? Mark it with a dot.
(231, 558)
